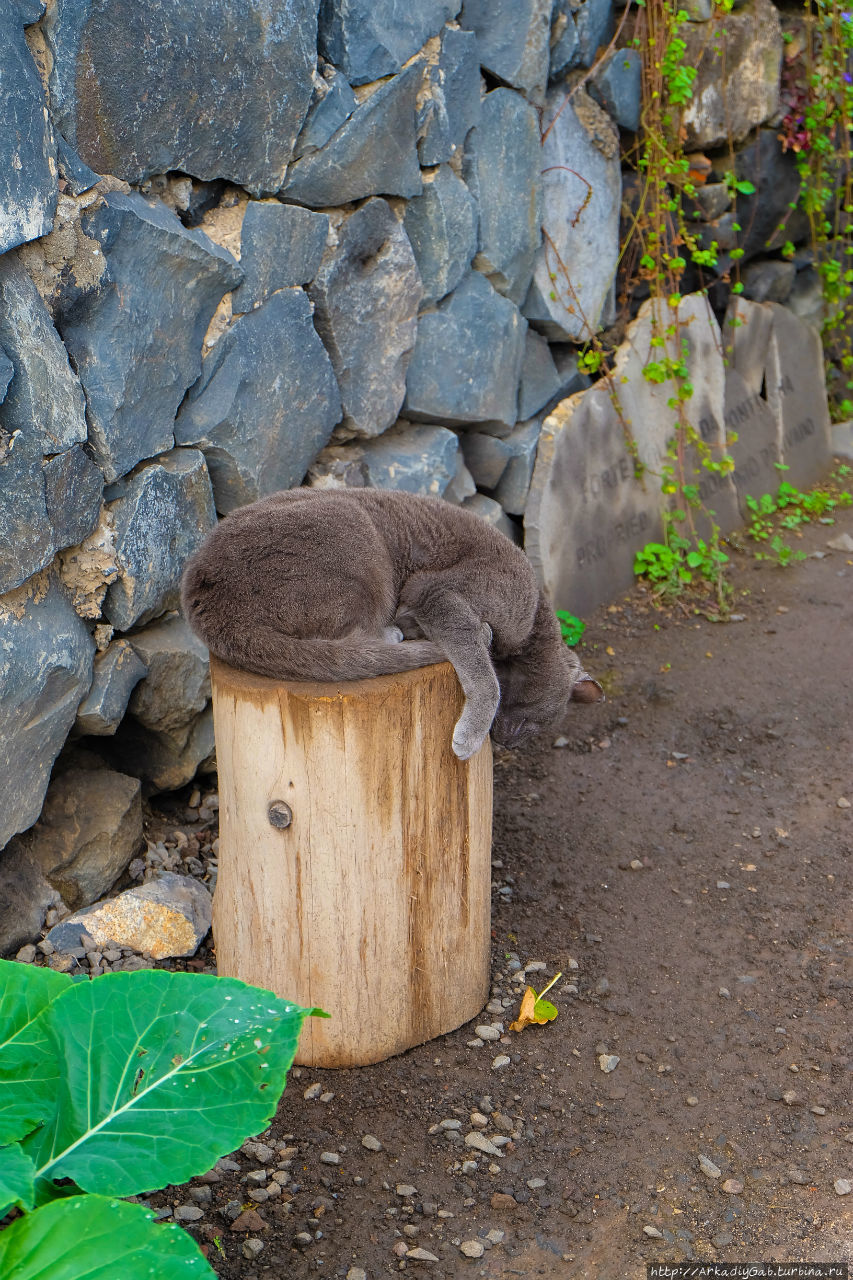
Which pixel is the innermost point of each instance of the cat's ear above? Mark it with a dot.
(586, 689)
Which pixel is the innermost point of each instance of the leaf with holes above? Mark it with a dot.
(162, 1073)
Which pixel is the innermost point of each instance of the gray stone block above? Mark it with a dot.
(540, 379)
(369, 39)
(513, 36)
(265, 404)
(769, 280)
(136, 337)
(486, 457)
(366, 296)
(493, 513)
(74, 488)
(161, 514)
(841, 439)
(373, 153)
(177, 684)
(582, 194)
(25, 898)
(617, 86)
(462, 484)
(281, 246)
(442, 227)
(725, 109)
(45, 670)
(565, 44)
(115, 674)
(796, 396)
(756, 450)
(28, 177)
(78, 176)
(88, 831)
(44, 400)
(594, 22)
(165, 761)
(587, 515)
(512, 489)
(467, 359)
(27, 541)
(508, 157)
(222, 97)
(332, 104)
(451, 104)
(421, 459)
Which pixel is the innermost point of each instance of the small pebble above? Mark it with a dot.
(692, 1100)
(843, 1186)
(494, 1236)
(27, 954)
(843, 802)
(723, 884)
(188, 1213)
(371, 1143)
(488, 1033)
(481, 1143)
(500, 1061)
(329, 1157)
(818, 1111)
(478, 1120)
(535, 1183)
(421, 1255)
(469, 1166)
(495, 1006)
(708, 1167)
(406, 1190)
(653, 1233)
(608, 1062)
(535, 966)
(356, 1273)
(252, 1247)
(725, 993)
(472, 1248)
(732, 1187)
(313, 1091)
(450, 1124)
(635, 864)
(797, 1176)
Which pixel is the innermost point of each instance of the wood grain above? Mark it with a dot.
(374, 902)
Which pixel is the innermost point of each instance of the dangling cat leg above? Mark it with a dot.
(448, 620)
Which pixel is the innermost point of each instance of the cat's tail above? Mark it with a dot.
(268, 652)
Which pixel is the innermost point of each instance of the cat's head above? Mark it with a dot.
(534, 695)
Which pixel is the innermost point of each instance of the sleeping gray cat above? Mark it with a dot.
(315, 584)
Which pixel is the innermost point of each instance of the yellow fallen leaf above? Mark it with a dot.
(611, 651)
(534, 1008)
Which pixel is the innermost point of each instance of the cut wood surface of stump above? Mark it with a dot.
(354, 856)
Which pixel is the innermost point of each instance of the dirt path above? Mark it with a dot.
(685, 862)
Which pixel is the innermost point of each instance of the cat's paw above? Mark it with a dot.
(466, 742)
(392, 635)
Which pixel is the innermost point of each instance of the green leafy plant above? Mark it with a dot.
(788, 509)
(680, 562)
(571, 628)
(116, 1087)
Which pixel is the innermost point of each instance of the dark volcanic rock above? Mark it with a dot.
(136, 337)
(540, 378)
(513, 36)
(332, 104)
(509, 163)
(369, 39)
(28, 176)
(26, 535)
(161, 513)
(114, 677)
(281, 246)
(373, 153)
(221, 94)
(451, 106)
(44, 400)
(265, 404)
(73, 491)
(467, 359)
(366, 296)
(616, 85)
(45, 670)
(442, 226)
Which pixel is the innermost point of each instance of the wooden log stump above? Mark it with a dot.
(354, 856)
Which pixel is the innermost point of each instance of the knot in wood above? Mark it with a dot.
(280, 814)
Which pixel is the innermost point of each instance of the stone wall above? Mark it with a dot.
(315, 242)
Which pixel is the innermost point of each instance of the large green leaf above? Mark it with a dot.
(28, 1065)
(17, 1175)
(98, 1238)
(162, 1074)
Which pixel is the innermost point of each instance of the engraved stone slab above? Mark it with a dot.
(796, 394)
(690, 332)
(587, 515)
(756, 450)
